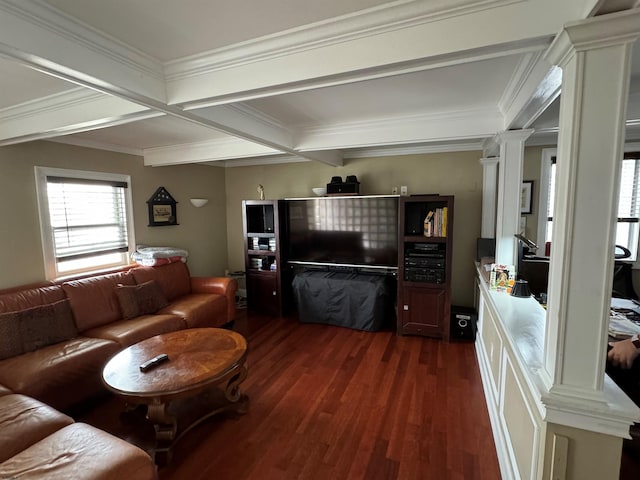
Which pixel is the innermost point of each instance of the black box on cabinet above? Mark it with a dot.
(464, 323)
(346, 188)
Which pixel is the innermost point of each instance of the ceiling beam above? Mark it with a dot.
(311, 58)
(45, 40)
(73, 111)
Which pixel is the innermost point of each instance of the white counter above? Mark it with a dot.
(524, 412)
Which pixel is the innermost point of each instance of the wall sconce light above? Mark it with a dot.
(199, 202)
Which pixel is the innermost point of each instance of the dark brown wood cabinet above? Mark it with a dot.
(425, 229)
(264, 237)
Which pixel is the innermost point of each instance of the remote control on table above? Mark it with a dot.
(155, 361)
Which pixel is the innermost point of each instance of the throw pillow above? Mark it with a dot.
(10, 338)
(127, 299)
(47, 325)
(143, 299)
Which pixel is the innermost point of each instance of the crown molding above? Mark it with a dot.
(111, 147)
(401, 130)
(474, 145)
(374, 21)
(50, 103)
(252, 162)
(518, 79)
(389, 122)
(205, 151)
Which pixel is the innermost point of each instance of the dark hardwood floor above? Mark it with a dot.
(333, 403)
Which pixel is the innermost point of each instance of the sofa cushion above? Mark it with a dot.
(200, 309)
(46, 325)
(17, 299)
(143, 299)
(93, 299)
(25, 421)
(128, 332)
(35, 327)
(60, 375)
(173, 278)
(10, 337)
(80, 451)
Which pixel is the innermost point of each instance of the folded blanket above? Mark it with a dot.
(154, 256)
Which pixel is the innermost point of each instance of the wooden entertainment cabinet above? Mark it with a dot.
(424, 262)
(263, 228)
(424, 265)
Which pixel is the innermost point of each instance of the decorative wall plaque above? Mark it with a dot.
(162, 209)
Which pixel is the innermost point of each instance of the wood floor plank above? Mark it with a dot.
(338, 404)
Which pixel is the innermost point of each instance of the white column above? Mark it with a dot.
(489, 195)
(509, 187)
(595, 58)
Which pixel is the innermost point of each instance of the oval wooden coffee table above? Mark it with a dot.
(204, 363)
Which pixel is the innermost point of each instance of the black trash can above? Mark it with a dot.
(463, 323)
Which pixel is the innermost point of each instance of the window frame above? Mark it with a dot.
(46, 231)
(543, 198)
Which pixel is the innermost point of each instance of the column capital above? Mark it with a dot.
(604, 30)
(488, 161)
(513, 136)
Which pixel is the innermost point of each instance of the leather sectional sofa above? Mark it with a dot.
(55, 338)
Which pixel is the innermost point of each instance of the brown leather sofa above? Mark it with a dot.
(36, 441)
(66, 370)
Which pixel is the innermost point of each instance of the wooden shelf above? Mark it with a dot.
(423, 239)
(263, 253)
(261, 234)
(267, 290)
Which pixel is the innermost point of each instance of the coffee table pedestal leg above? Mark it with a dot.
(166, 427)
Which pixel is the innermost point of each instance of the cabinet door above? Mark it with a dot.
(262, 293)
(422, 311)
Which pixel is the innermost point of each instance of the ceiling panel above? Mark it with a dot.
(166, 29)
(478, 85)
(151, 133)
(20, 84)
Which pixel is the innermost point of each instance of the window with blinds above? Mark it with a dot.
(627, 229)
(85, 225)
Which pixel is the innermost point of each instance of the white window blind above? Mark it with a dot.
(88, 217)
(86, 220)
(628, 220)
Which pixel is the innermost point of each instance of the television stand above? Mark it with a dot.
(362, 301)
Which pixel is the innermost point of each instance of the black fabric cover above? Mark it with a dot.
(354, 300)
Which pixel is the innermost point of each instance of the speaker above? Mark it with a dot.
(464, 323)
(413, 219)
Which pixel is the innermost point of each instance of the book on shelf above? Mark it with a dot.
(435, 222)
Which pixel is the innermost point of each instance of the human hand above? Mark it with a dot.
(622, 353)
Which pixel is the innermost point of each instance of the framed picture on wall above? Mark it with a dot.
(526, 196)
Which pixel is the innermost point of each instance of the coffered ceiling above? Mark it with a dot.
(255, 81)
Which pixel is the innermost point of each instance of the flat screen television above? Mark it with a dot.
(358, 231)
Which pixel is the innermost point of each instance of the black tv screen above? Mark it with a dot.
(360, 231)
